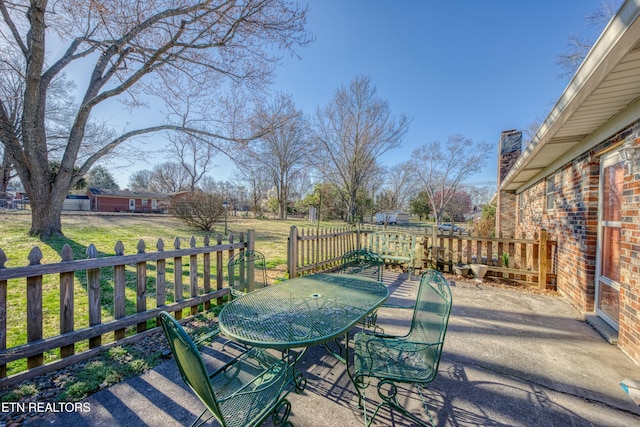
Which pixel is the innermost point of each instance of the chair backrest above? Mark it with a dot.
(190, 363)
(395, 244)
(247, 271)
(432, 310)
(364, 263)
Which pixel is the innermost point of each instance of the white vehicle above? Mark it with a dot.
(448, 228)
(392, 218)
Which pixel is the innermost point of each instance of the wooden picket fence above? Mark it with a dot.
(527, 261)
(205, 284)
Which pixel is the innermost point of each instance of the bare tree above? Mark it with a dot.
(130, 49)
(198, 209)
(169, 177)
(397, 186)
(282, 153)
(57, 117)
(579, 45)
(351, 134)
(440, 169)
(459, 206)
(141, 180)
(194, 156)
(256, 180)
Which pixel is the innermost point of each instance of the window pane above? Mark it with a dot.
(612, 192)
(611, 253)
(609, 301)
(550, 201)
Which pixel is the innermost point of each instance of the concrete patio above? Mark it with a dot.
(511, 358)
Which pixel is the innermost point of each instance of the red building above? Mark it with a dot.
(106, 200)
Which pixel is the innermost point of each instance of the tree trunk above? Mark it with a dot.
(46, 215)
(283, 209)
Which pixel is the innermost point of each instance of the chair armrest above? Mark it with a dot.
(254, 372)
(389, 341)
(206, 336)
(385, 305)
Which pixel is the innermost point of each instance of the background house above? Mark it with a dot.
(74, 202)
(579, 178)
(106, 200)
(392, 217)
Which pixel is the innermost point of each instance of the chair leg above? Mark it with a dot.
(282, 420)
(388, 392)
(200, 421)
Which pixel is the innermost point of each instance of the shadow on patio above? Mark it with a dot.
(511, 358)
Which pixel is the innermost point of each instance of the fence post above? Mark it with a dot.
(119, 292)
(292, 252)
(206, 270)
(193, 275)
(434, 246)
(141, 280)
(220, 271)
(66, 301)
(3, 313)
(542, 257)
(34, 308)
(177, 277)
(161, 276)
(251, 267)
(93, 287)
(251, 240)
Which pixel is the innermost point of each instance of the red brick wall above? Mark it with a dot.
(629, 322)
(573, 223)
(111, 204)
(506, 223)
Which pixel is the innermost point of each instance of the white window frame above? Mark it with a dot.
(606, 161)
(550, 193)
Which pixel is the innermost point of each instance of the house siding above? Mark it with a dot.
(106, 200)
(573, 223)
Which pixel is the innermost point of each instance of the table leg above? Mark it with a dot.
(292, 358)
(337, 355)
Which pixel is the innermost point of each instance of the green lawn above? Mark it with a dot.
(104, 231)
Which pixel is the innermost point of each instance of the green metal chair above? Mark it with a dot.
(412, 358)
(363, 263)
(243, 392)
(247, 271)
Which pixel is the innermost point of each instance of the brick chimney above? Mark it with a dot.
(509, 151)
(506, 210)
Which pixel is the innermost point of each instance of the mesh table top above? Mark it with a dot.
(301, 312)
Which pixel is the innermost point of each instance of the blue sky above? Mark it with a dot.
(469, 67)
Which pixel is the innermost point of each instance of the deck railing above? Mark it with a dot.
(139, 286)
(528, 261)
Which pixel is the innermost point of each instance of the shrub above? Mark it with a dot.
(487, 223)
(199, 209)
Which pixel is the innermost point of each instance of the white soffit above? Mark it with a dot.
(599, 101)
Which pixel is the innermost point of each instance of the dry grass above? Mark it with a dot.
(104, 231)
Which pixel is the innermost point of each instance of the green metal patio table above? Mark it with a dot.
(301, 312)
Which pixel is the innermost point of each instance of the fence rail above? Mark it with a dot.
(528, 261)
(148, 273)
